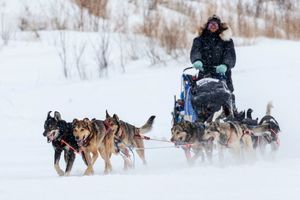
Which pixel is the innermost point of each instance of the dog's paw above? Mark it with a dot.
(60, 172)
(128, 164)
(88, 172)
(67, 173)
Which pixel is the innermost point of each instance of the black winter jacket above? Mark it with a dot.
(214, 49)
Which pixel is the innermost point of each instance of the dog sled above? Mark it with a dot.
(201, 96)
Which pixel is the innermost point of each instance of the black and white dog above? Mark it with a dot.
(60, 133)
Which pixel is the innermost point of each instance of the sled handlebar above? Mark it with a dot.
(187, 68)
(201, 75)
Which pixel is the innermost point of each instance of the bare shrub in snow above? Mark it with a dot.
(101, 54)
(58, 21)
(245, 27)
(95, 7)
(6, 30)
(151, 21)
(133, 52)
(180, 6)
(153, 4)
(275, 19)
(30, 22)
(152, 52)
(173, 36)
(121, 22)
(78, 52)
(121, 45)
(61, 47)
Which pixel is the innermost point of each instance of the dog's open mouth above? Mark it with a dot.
(52, 135)
(81, 141)
(211, 139)
(179, 143)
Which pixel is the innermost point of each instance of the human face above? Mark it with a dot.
(213, 26)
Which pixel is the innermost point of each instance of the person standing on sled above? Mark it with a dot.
(213, 52)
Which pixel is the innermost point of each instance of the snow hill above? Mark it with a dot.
(30, 88)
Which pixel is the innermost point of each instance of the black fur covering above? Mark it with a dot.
(65, 134)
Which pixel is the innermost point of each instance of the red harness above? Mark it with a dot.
(248, 132)
(277, 138)
(107, 127)
(67, 144)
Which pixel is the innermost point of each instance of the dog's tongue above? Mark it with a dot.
(80, 143)
(50, 138)
(211, 139)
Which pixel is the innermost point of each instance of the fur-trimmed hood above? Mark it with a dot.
(225, 33)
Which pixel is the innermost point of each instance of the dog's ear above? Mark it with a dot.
(48, 115)
(87, 123)
(74, 121)
(216, 125)
(222, 126)
(174, 122)
(57, 116)
(91, 125)
(86, 120)
(115, 116)
(107, 115)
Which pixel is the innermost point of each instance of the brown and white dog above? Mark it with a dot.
(266, 132)
(90, 136)
(125, 135)
(229, 135)
(189, 136)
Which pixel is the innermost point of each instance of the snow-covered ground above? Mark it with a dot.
(31, 84)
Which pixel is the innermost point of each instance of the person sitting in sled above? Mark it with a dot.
(213, 52)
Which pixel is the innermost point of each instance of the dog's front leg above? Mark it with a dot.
(221, 153)
(57, 155)
(235, 150)
(248, 148)
(106, 157)
(187, 153)
(198, 153)
(84, 158)
(209, 151)
(89, 170)
(70, 161)
(95, 156)
(262, 145)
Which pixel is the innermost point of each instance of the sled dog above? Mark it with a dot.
(189, 134)
(60, 134)
(89, 135)
(266, 132)
(228, 135)
(126, 135)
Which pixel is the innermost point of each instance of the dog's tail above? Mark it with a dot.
(249, 113)
(148, 126)
(269, 108)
